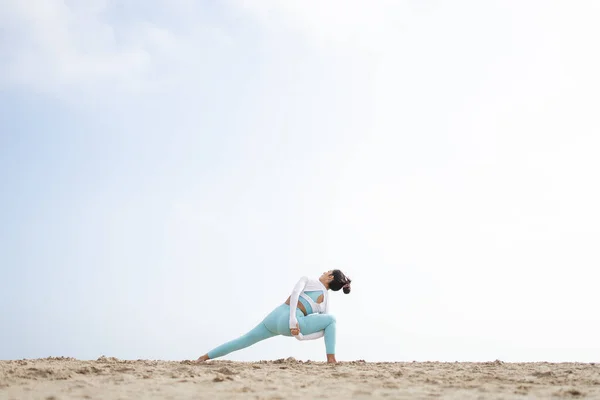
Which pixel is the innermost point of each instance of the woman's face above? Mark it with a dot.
(327, 276)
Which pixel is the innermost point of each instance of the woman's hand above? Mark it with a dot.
(295, 331)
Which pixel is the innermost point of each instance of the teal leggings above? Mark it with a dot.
(277, 323)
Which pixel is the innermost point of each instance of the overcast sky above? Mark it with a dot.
(169, 169)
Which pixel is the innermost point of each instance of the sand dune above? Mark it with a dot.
(110, 378)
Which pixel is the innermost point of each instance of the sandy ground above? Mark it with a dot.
(110, 378)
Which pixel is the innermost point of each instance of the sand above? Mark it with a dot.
(110, 378)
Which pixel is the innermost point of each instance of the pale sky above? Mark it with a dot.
(169, 170)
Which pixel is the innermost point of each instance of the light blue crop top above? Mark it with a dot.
(313, 295)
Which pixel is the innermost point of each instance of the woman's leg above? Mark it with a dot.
(320, 322)
(278, 321)
(260, 332)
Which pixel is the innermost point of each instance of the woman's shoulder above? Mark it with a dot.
(313, 284)
(310, 284)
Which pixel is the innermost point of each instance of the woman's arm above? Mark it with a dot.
(311, 336)
(294, 300)
(316, 335)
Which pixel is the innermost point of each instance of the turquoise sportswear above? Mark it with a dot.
(276, 323)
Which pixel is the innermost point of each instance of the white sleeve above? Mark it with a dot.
(312, 336)
(299, 288)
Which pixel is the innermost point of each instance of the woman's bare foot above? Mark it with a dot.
(202, 359)
(331, 359)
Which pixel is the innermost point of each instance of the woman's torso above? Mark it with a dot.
(316, 295)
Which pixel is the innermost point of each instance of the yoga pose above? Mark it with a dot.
(304, 315)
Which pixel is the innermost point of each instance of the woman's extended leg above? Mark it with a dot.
(320, 322)
(260, 332)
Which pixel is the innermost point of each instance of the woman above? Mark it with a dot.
(304, 315)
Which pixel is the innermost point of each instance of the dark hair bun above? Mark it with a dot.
(340, 281)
